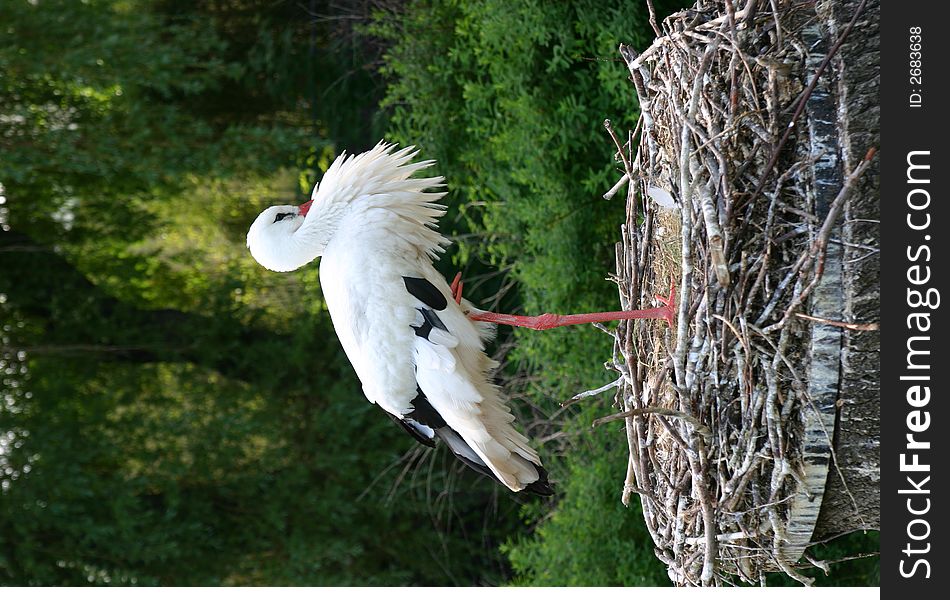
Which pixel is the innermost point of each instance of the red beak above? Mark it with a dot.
(305, 207)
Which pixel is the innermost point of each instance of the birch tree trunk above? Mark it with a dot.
(852, 493)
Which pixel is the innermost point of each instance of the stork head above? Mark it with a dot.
(271, 238)
(285, 238)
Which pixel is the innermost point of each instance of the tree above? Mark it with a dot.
(171, 414)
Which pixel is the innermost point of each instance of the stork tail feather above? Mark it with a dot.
(467, 455)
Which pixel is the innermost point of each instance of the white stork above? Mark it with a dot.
(415, 343)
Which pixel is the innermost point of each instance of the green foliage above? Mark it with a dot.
(170, 474)
(590, 539)
(97, 121)
(171, 413)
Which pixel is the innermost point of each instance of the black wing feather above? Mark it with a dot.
(409, 427)
(425, 292)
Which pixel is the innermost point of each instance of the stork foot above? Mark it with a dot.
(669, 303)
(457, 288)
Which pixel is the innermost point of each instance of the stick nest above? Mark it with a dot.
(712, 406)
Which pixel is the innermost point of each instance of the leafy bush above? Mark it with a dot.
(170, 413)
(590, 538)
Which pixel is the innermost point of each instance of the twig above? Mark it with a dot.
(653, 24)
(806, 95)
(599, 390)
(656, 410)
(842, 324)
(623, 157)
(616, 188)
(816, 253)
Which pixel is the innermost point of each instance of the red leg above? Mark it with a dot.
(549, 320)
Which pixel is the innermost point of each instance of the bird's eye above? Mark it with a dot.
(281, 216)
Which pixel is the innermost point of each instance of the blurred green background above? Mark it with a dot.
(173, 414)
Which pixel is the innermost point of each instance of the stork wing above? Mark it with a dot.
(452, 372)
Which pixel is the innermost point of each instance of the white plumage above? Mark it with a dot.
(415, 350)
